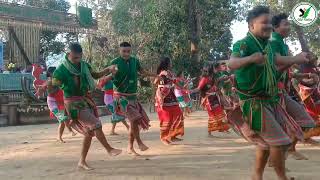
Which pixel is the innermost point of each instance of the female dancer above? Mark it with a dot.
(107, 85)
(181, 93)
(56, 105)
(211, 101)
(169, 112)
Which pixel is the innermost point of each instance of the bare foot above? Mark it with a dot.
(59, 139)
(84, 166)
(131, 151)
(175, 139)
(114, 134)
(312, 142)
(298, 156)
(114, 152)
(166, 142)
(256, 177)
(143, 147)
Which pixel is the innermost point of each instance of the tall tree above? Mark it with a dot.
(195, 28)
(186, 30)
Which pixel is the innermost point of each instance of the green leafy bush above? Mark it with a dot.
(145, 94)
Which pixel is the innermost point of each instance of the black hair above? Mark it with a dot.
(204, 90)
(164, 64)
(210, 69)
(50, 71)
(256, 12)
(276, 20)
(125, 44)
(75, 48)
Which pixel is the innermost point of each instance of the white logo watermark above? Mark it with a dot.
(304, 14)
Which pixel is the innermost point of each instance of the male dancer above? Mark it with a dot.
(254, 63)
(75, 77)
(125, 83)
(281, 27)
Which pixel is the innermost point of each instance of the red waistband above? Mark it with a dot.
(110, 91)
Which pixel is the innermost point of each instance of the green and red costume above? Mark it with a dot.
(125, 85)
(257, 88)
(294, 108)
(76, 82)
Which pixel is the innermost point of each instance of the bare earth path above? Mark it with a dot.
(32, 153)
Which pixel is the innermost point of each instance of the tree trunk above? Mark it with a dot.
(195, 29)
(302, 38)
(90, 44)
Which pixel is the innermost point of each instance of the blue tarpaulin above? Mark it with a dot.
(1, 55)
(12, 81)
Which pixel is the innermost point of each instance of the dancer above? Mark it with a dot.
(181, 93)
(125, 93)
(169, 112)
(254, 63)
(187, 92)
(225, 81)
(211, 101)
(309, 92)
(56, 104)
(106, 84)
(281, 28)
(75, 77)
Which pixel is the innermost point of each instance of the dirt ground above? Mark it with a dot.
(32, 153)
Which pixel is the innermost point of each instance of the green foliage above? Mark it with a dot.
(162, 28)
(59, 5)
(145, 94)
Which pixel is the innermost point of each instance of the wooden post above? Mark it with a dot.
(4, 100)
(16, 39)
(13, 115)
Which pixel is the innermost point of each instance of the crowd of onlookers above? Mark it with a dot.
(16, 70)
(7, 70)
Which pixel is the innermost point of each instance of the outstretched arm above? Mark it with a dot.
(308, 82)
(144, 72)
(290, 60)
(307, 79)
(202, 83)
(108, 70)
